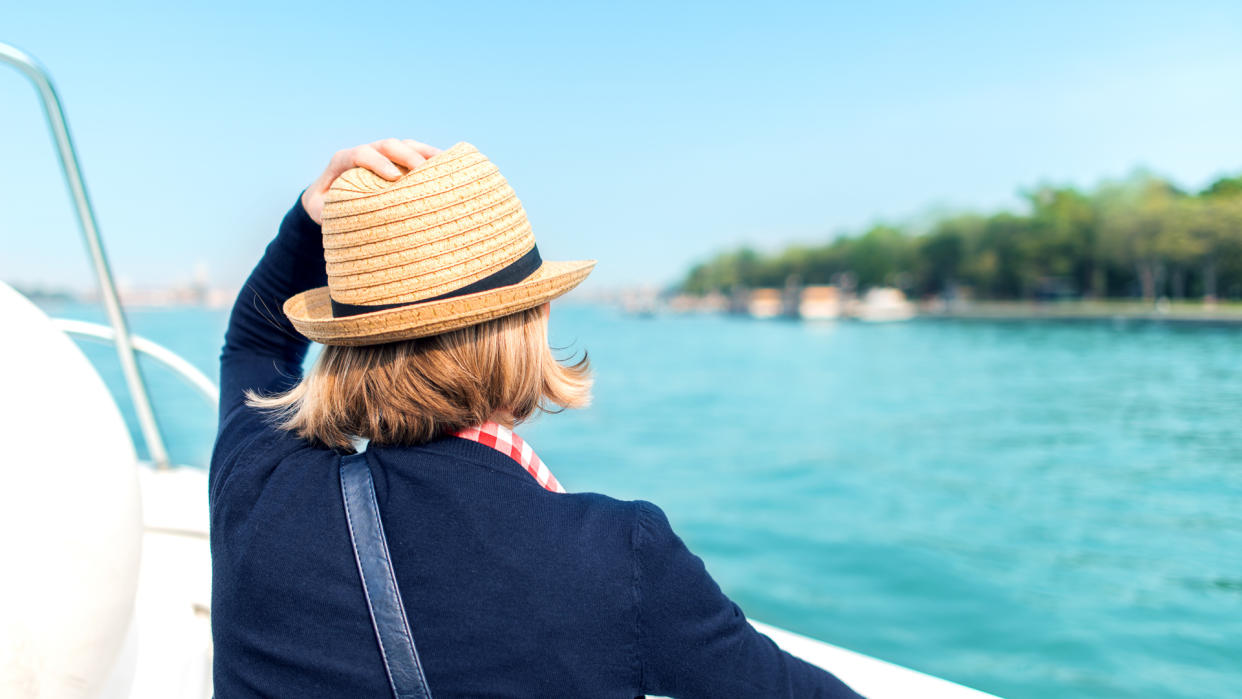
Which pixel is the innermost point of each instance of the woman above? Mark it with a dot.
(476, 577)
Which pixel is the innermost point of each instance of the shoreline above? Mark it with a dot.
(1122, 311)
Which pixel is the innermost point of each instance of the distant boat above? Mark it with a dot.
(765, 303)
(820, 302)
(884, 305)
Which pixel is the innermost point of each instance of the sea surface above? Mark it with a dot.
(1035, 509)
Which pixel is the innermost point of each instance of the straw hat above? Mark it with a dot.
(445, 246)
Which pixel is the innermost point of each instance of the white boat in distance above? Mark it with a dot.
(113, 597)
(883, 305)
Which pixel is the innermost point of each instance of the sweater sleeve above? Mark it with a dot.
(262, 351)
(695, 642)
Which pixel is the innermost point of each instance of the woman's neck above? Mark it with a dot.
(503, 417)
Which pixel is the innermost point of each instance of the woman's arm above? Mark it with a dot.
(695, 642)
(262, 351)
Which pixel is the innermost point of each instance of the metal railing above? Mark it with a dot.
(55, 114)
(160, 353)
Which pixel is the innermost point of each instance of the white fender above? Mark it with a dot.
(70, 515)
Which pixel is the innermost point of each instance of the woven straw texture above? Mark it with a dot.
(452, 221)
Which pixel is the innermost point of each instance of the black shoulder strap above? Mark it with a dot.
(392, 629)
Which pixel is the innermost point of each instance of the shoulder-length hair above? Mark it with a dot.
(412, 391)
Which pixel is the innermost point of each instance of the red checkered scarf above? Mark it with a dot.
(503, 440)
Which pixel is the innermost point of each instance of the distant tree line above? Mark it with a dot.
(1139, 237)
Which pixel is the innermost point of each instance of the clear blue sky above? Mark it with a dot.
(642, 134)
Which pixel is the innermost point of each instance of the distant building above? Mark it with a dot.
(765, 303)
(819, 302)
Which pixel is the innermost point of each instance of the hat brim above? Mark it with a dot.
(311, 311)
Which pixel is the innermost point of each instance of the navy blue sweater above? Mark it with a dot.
(511, 590)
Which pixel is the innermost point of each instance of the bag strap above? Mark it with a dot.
(379, 584)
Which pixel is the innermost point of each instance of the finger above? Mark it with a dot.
(341, 161)
(371, 159)
(423, 149)
(400, 153)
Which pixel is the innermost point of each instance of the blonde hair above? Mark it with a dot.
(413, 391)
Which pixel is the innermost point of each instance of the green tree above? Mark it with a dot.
(1139, 234)
(1064, 228)
(943, 254)
(1224, 188)
(879, 256)
(1139, 218)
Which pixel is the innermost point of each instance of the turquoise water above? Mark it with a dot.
(1033, 509)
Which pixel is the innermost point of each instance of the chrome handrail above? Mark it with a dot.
(38, 75)
(165, 356)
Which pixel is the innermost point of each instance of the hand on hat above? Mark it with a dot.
(381, 157)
